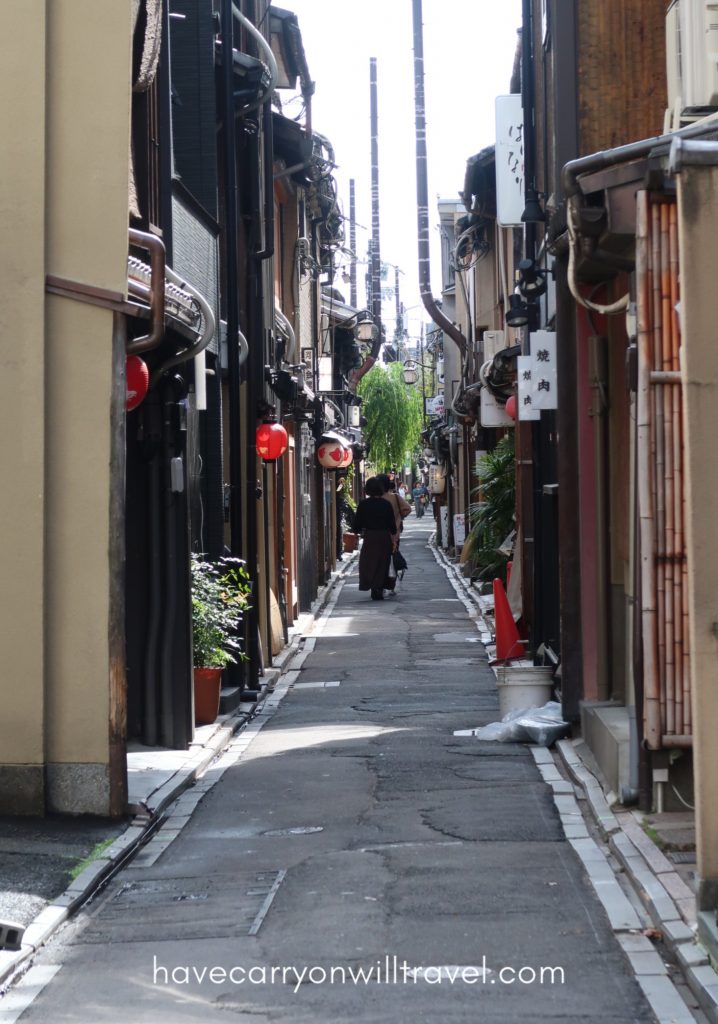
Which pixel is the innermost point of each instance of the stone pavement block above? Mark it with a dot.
(687, 910)
(704, 985)
(677, 931)
(562, 788)
(567, 805)
(646, 963)
(542, 755)
(621, 914)
(665, 1001)
(588, 850)
(568, 753)
(574, 831)
(675, 886)
(636, 943)
(90, 876)
(647, 848)
(690, 954)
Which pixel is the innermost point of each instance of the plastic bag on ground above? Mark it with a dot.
(540, 726)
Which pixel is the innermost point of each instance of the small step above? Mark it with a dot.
(229, 699)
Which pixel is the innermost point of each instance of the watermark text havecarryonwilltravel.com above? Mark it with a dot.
(389, 970)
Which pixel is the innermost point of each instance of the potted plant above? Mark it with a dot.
(346, 510)
(491, 518)
(220, 596)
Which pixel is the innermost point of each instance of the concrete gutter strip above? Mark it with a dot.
(658, 892)
(199, 758)
(665, 896)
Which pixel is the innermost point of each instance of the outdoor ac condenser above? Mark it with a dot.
(691, 60)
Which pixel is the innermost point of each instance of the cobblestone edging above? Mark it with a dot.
(664, 895)
(672, 918)
(151, 831)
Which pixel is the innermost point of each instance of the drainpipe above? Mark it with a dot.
(375, 228)
(231, 296)
(257, 334)
(205, 337)
(268, 140)
(155, 294)
(422, 192)
(353, 244)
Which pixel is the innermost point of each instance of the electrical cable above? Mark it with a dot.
(615, 307)
(684, 802)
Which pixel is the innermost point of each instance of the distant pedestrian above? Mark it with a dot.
(419, 503)
(402, 491)
(375, 519)
(401, 508)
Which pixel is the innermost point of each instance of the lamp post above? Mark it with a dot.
(410, 371)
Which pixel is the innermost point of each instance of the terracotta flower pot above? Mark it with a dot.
(207, 686)
(350, 542)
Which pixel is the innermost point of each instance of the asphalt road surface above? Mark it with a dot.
(358, 862)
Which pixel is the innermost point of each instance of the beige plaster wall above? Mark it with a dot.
(88, 113)
(698, 227)
(22, 187)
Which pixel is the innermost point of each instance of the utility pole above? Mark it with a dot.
(353, 244)
(399, 319)
(375, 244)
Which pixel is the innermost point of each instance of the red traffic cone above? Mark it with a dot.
(508, 642)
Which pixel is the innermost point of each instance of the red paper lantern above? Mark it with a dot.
(137, 377)
(511, 406)
(330, 454)
(271, 441)
(347, 459)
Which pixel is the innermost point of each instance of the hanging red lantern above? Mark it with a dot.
(347, 459)
(511, 406)
(271, 441)
(137, 377)
(330, 454)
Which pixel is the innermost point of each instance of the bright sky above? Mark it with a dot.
(469, 48)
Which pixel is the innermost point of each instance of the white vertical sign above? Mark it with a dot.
(510, 199)
(543, 369)
(525, 397)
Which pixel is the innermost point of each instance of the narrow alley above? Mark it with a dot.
(387, 842)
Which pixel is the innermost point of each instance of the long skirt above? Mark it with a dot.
(374, 560)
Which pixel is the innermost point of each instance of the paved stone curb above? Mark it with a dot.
(665, 896)
(646, 964)
(464, 591)
(126, 846)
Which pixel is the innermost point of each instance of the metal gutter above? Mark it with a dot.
(422, 191)
(631, 151)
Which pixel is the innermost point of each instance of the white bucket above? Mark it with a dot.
(523, 686)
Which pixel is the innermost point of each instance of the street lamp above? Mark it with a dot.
(365, 330)
(410, 370)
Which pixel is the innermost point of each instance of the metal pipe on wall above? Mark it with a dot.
(375, 269)
(422, 190)
(231, 281)
(649, 626)
(352, 244)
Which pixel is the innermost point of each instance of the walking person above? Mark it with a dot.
(418, 496)
(401, 509)
(375, 519)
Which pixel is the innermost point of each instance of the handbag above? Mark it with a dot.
(399, 562)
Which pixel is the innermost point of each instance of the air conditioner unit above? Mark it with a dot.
(691, 59)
